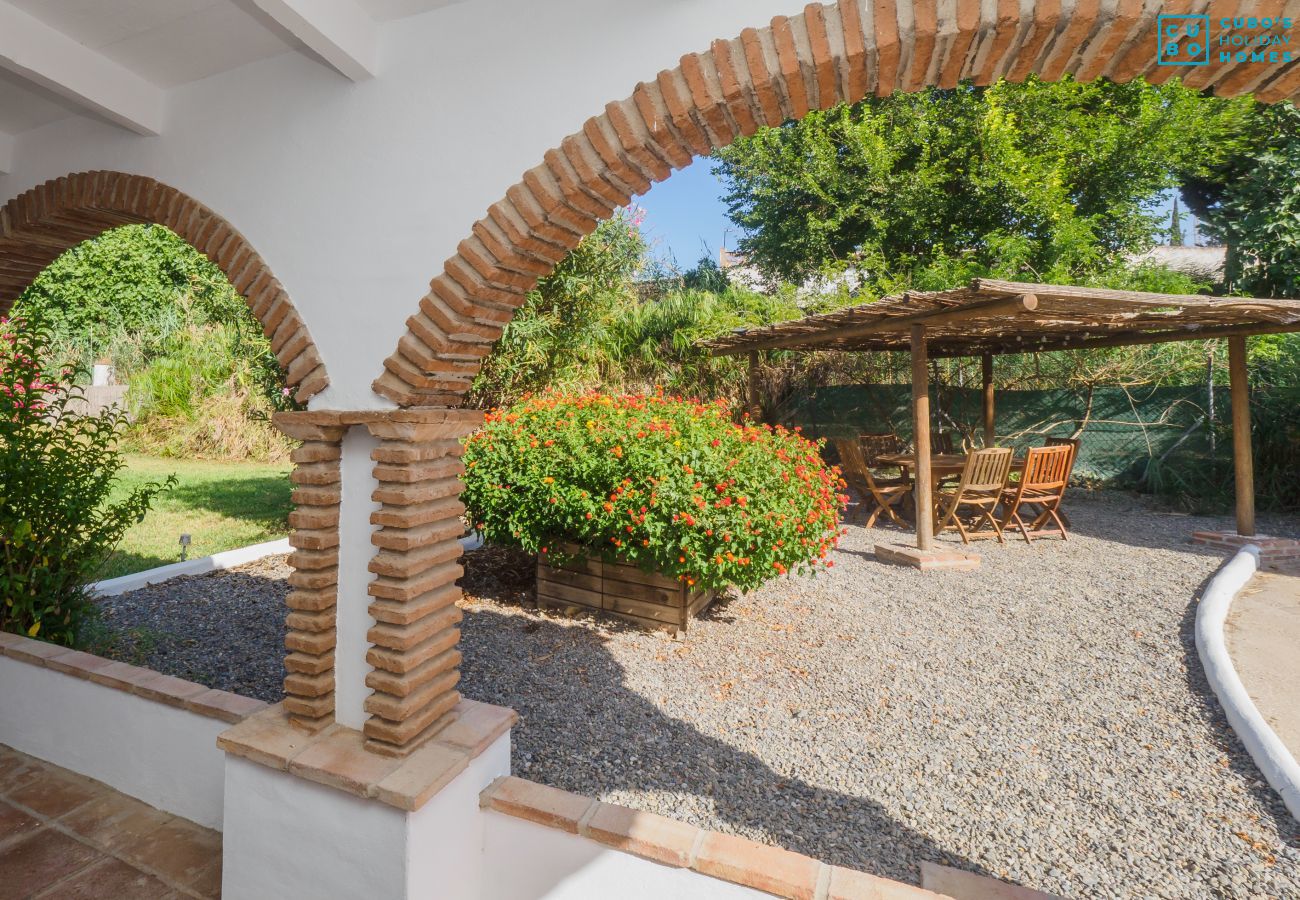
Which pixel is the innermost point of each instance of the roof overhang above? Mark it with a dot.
(997, 317)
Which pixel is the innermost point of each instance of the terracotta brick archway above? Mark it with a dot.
(826, 54)
(37, 226)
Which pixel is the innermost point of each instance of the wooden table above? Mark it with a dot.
(943, 465)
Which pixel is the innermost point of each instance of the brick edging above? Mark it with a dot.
(341, 758)
(829, 53)
(1272, 550)
(38, 225)
(672, 843)
(142, 682)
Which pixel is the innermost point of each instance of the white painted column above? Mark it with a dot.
(353, 619)
(287, 836)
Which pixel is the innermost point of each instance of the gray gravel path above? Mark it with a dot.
(222, 629)
(1043, 719)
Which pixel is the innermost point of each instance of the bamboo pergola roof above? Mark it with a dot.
(997, 317)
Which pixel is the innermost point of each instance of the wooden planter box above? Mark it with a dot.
(643, 598)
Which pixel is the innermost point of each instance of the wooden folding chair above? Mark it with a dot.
(983, 479)
(941, 442)
(1042, 485)
(1073, 444)
(875, 444)
(886, 493)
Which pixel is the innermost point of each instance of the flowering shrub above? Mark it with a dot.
(665, 483)
(58, 524)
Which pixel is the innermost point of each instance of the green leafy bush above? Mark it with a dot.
(204, 380)
(57, 524)
(202, 396)
(666, 483)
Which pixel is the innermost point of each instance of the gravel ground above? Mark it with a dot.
(1043, 719)
(222, 629)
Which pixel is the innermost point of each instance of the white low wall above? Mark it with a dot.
(163, 755)
(227, 559)
(526, 861)
(1275, 762)
(289, 837)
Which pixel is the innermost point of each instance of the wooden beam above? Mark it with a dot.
(889, 324)
(1243, 463)
(923, 490)
(986, 370)
(1135, 298)
(47, 57)
(1124, 339)
(340, 32)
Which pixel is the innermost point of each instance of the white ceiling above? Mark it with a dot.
(387, 10)
(24, 106)
(165, 42)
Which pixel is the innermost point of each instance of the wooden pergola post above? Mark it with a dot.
(922, 490)
(1243, 463)
(986, 369)
(751, 388)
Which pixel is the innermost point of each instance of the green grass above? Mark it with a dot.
(221, 505)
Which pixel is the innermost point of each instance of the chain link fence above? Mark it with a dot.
(1161, 439)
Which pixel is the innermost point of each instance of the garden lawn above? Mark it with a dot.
(221, 505)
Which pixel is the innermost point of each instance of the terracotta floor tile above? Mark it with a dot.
(110, 879)
(180, 850)
(208, 883)
(115, 820)
(14, 822)
(38, 861)
(17, 770)
(56, 792)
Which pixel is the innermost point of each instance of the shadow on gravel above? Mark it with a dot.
(1238, 759)
(583, 730)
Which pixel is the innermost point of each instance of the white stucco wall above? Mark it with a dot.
(160, 754)
(356, 193)
(352, 615)
(527, 861)
(289, 837)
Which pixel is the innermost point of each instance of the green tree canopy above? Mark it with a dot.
(125, 281)
(1251, 203)
(1045, 181)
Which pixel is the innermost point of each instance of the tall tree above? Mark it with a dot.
(1251, 203)
(1051, 181)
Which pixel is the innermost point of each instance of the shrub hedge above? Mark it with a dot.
(666, 483)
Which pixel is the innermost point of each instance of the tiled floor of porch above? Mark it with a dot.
(65, 836)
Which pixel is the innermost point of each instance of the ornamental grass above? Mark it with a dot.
(670, 484)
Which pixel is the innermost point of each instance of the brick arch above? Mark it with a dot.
(37, 226)
(829, 53)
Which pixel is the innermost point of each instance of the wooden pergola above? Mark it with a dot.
(989, 318)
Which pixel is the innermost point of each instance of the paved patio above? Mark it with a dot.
(64, 836)
(1263, 632)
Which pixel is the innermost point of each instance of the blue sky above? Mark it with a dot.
(684, 215)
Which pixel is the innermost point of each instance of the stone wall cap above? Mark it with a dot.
(726, 857)
(337, 756)
(144, 683)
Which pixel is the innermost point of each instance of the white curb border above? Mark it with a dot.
(227, 559)
(1275, 762)
(224, 560)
